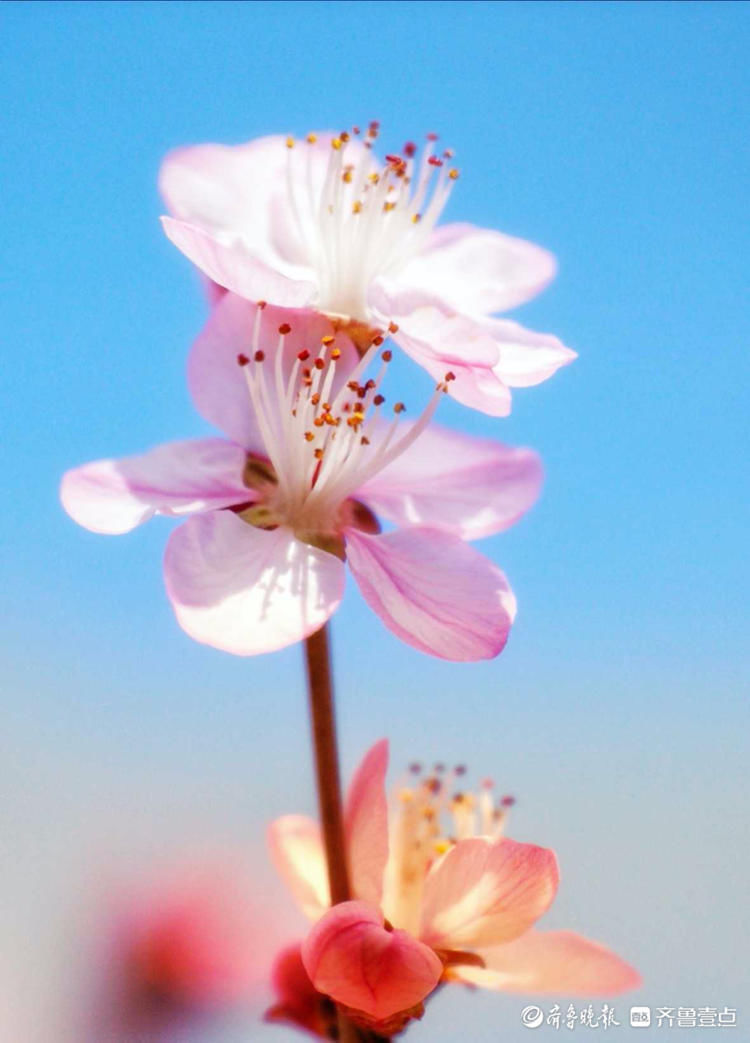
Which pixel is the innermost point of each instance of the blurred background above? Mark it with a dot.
(617, 136)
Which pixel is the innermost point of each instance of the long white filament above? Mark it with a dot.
(358, 220)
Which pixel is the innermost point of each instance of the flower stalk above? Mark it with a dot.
(328, 780)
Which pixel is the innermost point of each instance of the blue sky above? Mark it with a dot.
(614, 134)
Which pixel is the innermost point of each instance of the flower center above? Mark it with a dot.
(432, 813)
(324, 433)
(365, 219)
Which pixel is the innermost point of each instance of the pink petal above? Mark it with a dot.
(246, 590)
(217, 383)
(366, 823)
(551, 961)
(469, 486)
(227, 188)
(114, 496)
(234, 267)
(353, 958)
(297, 852)
(242, 191)
(433, 591)
(442, 342)
(297, 1001)
(486, 892)
(478, 271)
(526, 357)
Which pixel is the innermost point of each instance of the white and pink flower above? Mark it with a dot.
(323, 224)
(310, 465)
(439, 896)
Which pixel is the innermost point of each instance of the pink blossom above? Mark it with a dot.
(432, 904)
(181, 948)
(297, 489)
(324, 224)
(298, 1002)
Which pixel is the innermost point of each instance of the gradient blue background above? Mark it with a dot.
(614, 134)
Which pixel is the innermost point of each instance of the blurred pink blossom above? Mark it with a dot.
(310, 465)
(324, 224)
(432, 906)
(180, 949)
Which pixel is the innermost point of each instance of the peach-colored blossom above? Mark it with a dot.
(431, 904)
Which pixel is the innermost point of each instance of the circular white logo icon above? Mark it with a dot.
(532, 1017)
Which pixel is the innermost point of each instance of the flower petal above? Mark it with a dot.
(114, 496)
(217, 383)
(551, 961)
(433, 591)
(485, 892)
(526, 357)
(226, 189)
(478, 271)
(351, 957)
(297, 1001)
(236, 268)
(366, 824)
(441, 342)
(297, 852)
(246, 590)
(469, 486)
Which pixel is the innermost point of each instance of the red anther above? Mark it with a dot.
(460, 769)
(319, 364)
(435, 161)
(410, 149)
(364, 440)
(355, 130)
(398, 160)
(415, 767)
(448, 153)
(432, 136)
(449, 376)
(242, 360)
(399, 408)
(285, 328)
(370, 384)
(344, 135)
(439, 767)
(392, 327)
(303, 355)
(507, 802)
(374, 125)
(378, 400)
(378, 340)
(387, 356)
(262, 304)
(259, 356)
(487, 784)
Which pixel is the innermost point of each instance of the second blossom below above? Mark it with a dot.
(313, 460)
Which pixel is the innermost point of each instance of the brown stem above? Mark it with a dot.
(328, 778)
(323, 719)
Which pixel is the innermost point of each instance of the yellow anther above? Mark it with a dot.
(290, 142)
(311, 138)
(336, 143)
